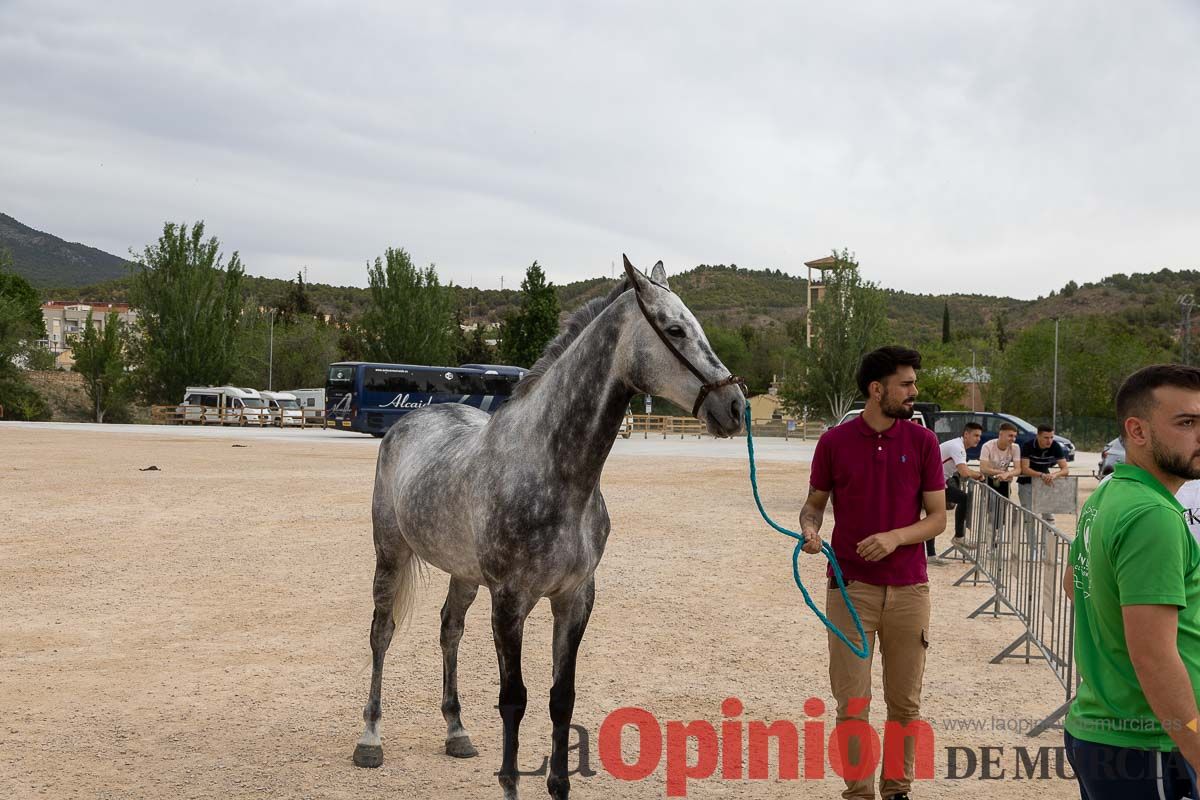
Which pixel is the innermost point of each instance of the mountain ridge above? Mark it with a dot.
(726, 295)
(45, 260)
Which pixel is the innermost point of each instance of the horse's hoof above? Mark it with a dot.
(559, 787)
(368, 755)
(461, 747)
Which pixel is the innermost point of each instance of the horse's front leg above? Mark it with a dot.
(509, 610)
(571, 613)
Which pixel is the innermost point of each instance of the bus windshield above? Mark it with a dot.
(341, 374)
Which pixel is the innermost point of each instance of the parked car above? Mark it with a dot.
(949, 425)
(1112, 454)
(917, 417)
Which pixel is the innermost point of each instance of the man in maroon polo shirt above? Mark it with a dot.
(882, 471)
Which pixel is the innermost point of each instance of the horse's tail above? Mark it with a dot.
(408, 577)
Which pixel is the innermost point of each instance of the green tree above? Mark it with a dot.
(946, 322)
(731, 348)
(941, 385)
(188, 305)
(1095, 354)
(1001, 333)
(530, 328)
(474, 348)
(304, 347)
(20, 328)
(848, 322)
(27, 306)
(410, 319)
(100, 359)
(297, 303)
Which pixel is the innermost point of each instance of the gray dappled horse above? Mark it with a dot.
(512, 501)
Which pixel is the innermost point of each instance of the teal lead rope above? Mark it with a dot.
(860, 650)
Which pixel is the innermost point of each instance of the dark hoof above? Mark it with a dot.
(461, 747)
(368, 755)
(559, 787)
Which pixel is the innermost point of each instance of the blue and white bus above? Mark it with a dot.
(369, 398)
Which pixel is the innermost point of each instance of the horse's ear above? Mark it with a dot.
(639, 281)
(659, 275)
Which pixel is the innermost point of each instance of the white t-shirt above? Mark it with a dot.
(1189, 497)
(1000, 459)
(954, 452)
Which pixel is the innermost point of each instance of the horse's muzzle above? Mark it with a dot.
(723, 411)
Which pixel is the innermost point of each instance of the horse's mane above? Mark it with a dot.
(571, 330)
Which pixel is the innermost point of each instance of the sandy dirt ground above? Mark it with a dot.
(200, 631)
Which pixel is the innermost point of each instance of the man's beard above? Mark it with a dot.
(896, 411)
(1172, 463)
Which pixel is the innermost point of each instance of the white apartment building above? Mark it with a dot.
(65, 320)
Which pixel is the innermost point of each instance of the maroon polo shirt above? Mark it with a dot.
(876, 481)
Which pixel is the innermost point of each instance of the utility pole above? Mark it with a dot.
(974, 381)
(1186, 302)
(1054, 407)
(271, 353)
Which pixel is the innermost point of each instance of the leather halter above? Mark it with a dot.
(705, 386)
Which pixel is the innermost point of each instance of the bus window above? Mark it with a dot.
(500, 385)
(442, 382)
(341, 374)
(470, 383)
(397, 381)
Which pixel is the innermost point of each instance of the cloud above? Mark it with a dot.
(999, 148)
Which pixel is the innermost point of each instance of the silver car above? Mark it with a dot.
(1112, 454)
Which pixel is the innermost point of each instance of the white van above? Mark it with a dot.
(312, 403)
(223, 404)
(283, 407)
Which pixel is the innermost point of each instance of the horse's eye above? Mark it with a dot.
(676, 331)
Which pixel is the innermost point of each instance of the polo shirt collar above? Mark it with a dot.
(1130, 472)
(867, 430)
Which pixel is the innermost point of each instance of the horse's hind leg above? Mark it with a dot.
(394, 573)
(454, 612)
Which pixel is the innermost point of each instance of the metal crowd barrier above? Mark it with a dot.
(1023, 557)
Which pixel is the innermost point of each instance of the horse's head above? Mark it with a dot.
(673, 358)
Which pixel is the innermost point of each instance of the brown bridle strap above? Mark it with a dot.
(705, 386)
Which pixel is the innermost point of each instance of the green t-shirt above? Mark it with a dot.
(1132, 547)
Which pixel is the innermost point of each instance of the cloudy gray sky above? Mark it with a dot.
(992, 147)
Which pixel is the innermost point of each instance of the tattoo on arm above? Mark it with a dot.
(810, 517)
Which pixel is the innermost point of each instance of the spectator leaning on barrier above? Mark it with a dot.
(1037, 459)
(1134, 577)
(1000, 459)
(881, 472)
(957, 473)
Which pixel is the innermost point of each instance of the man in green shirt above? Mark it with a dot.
(1133, 731)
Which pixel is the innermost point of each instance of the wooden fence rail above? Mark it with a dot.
(200, 415)
(644, 424)
(658, 424)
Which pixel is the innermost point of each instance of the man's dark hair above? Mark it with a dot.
(1045, 428)
(1135, 398)
(1008, 426)
(883, 363)
(972, 426)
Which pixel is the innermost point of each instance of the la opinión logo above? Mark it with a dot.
(737, 749)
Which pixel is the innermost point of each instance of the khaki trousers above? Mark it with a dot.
(898, 616)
